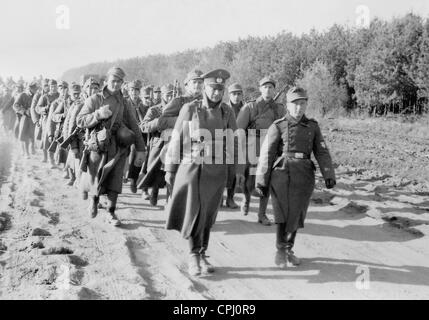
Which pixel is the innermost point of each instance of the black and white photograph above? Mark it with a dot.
(237, 151)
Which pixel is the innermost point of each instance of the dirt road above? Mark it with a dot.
(367, 239)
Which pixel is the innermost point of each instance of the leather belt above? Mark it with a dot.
(297, 155)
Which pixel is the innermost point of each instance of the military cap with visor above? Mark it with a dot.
(157, 89)
(63, 84)
(296, 93)
(216, 78)
(169, 88)
(266, 80)
(52, 82)
(33, 84)
(117, 72)
(146, 91)
(235, 87)
(136, 84)
(193, 75)
(75, 88)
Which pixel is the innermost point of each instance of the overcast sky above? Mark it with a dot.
(104, 30)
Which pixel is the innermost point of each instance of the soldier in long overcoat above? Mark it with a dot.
(149, 126)
(35, 117)
(235, 92)
(286, 170)
(22, 108)
(139, 110)
(43, 108)
(108, 109)
(197, 170)
(254, 119)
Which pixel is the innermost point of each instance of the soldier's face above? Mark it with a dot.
(63, 91)
(297, 108)
(53, 88)
(195, 86)
(167, 97)
(134, 93)
(156, 95)
(147, 100)
(92, 89)
(75, 96)
(46, 88)
(267, 91)
(236, 97)
(214, 93)
(114, 83)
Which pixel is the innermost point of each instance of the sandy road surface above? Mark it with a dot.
(365, 224)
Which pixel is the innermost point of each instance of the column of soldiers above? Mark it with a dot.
(109, 134)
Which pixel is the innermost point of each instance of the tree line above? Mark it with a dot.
(377, 70)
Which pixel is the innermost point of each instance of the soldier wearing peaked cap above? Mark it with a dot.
(235, 91)
(113, 129)
(286, 169)
(65, 117)
(138, 109)
(154, 177)
(198, 174)
(156, 95)
(43, 108)
(170, 112)
(22, 106)
(254, 119)
(90, 87)
(59, 109)
(35, 117)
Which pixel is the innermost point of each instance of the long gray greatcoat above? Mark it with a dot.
(198, 188)
(22, 108)
(291, 180)
(87, 119)
(43, 108)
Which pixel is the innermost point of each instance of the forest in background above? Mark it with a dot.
(381, 69)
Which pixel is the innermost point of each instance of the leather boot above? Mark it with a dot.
(93, 206)
(280, 258)
(194, 268)
(206, 267)
(154, 197)
(230, 203)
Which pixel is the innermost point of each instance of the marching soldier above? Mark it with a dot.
(286, 169)
(35, 117)
(194, 88)
(7, 110)
(19, 89)
(156, 96)
(147, 103)
(59, 109)
(236, 103)
(198, 184)
(22, 108)
(149, 125)
(72, 135)
(90, 87)
(257, 115)
(43, 109)
(139, 110)
(113, 129)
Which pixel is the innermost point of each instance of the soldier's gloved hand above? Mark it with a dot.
(240, 180)
(261, 191)
(50, 139)
(169, 179)
(330, 183)
(103, 113)
(140, 156)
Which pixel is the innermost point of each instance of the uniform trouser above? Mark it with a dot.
(249, 186)
(112, 198)
(231, 191)
(199, 239)
(284, 240)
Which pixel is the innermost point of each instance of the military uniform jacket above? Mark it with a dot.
(87, 119)
(257, 115)
(199, 186)
(286, 168)
(60, 109)
(139, 109)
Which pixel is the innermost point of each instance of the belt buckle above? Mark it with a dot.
(299, 155)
